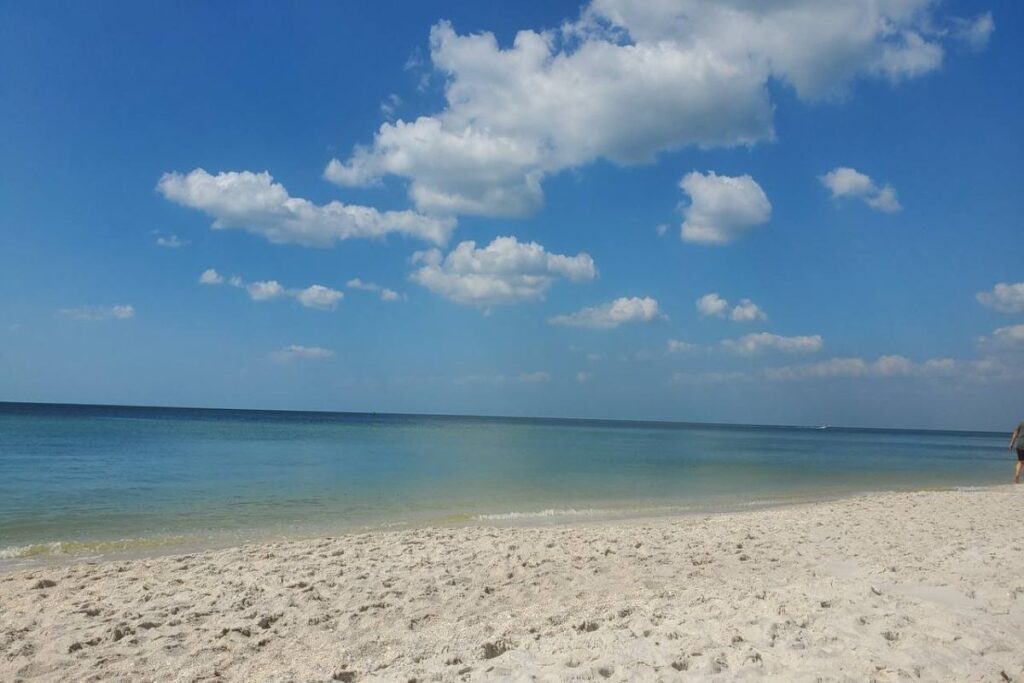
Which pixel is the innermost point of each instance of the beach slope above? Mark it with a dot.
(882, 587)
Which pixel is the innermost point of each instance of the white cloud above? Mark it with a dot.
(263, 291)
(172, 242)
(1004, 297)
(678, 346)
(318, 296)
(708, 377)
(531, 377)
(92, 313)
(612, 314)
(504, 272)
(254, 202)
(583, 377)
(722, 208)
(630, 79)
(296, 352)
(712, 305)
(751, 344)
(314, 296)
(747, 311)
(384, 293)
(1010, 337)
(211, 277)
(848, 182)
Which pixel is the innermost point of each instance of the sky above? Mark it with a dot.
(756, 212)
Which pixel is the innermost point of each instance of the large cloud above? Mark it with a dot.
(254, 202)
(849, 182)
(630, 79)
(612, 314)
(506, 271)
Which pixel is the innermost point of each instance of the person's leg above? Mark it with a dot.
(1016, 476)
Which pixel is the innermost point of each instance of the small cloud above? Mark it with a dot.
(171, 242)
(532, 377)
(211, 277)
(661, 229)
(1004, 297)
(751, 344)
(500, 379)
(712, 305)
(384, 293)
(390, 105)
(612, 314)
(263, 291)
(747, 311)
(722, 208)
(583, 377)
(843, 181)
(93, 313)
(318, 296)
(297, 352)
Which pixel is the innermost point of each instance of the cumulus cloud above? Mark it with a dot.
(848, 182)
(318, 296)
(722, 208)
(211, 277)
(1004, 297)
(384, 293)
(506, 271)
(712, 305)
(264, 291)
(93, 313)
(751, 344)
(171, 242)
(1009, 337)
(747, 311)
(612, 314)
(627, 80)
(314, 296)
(297, 352)
(255, 203)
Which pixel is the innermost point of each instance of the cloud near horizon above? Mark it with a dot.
(297, 352)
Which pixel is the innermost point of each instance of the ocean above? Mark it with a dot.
(81, 481)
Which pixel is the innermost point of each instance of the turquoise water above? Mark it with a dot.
(90, 480)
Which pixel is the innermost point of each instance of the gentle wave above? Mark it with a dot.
(80, 548)
(581, 512)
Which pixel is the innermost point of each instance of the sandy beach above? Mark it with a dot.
(881, 587)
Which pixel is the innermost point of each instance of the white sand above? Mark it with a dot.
(918, 586)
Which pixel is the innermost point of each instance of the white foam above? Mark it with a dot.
(540, 514)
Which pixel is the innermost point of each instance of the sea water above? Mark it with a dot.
(87, 481)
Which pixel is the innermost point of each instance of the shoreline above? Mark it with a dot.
(66, 552)
(879, 586)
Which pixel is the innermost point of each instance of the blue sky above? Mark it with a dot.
(727, 212)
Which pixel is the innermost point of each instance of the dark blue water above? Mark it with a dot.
(93, 479)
